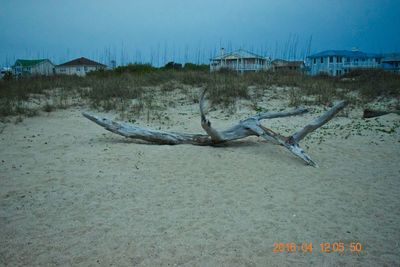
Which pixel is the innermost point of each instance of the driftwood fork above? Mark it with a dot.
(247, 127)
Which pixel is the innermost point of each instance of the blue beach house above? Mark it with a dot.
(338, 62)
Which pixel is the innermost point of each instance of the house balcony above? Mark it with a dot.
(365, 64)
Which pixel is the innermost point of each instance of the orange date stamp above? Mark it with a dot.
(324, 247)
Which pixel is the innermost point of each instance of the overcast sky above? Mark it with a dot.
(156, 31)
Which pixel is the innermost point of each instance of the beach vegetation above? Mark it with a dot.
(115, 89)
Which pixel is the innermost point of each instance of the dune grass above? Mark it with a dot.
(111, 90)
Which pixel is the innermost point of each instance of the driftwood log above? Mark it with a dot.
(248, 127)
(372, 113)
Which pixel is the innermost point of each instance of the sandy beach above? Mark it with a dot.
(72, 193)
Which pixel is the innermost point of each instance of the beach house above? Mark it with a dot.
(287, 65)
(80, 66)
(28, 67)
(338, 62)
(240, 61)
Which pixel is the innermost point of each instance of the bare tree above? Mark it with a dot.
(247, 127)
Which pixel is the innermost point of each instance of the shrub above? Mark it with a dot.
(135, 68)
(7, 76)
(172, 66)
(196, 67)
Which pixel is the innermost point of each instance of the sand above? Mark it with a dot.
(72, 193)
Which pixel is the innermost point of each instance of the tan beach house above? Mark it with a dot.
(288, 65)
(79, 66)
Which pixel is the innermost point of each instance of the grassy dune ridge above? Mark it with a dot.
(115, 90)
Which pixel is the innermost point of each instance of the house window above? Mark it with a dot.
(85, 68)
(347, 59)
(322, 60)
(330, 59)
(315, 61)
(78, 69)
(339, 59)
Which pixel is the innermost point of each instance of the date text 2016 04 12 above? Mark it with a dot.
(324, 247)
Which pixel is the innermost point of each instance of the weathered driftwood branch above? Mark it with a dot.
(150, 135)
(318, 122)
(248, 127)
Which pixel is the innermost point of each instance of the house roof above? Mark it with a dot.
(81, 62)
(241, 53)
(29, 62)
(344, 53)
